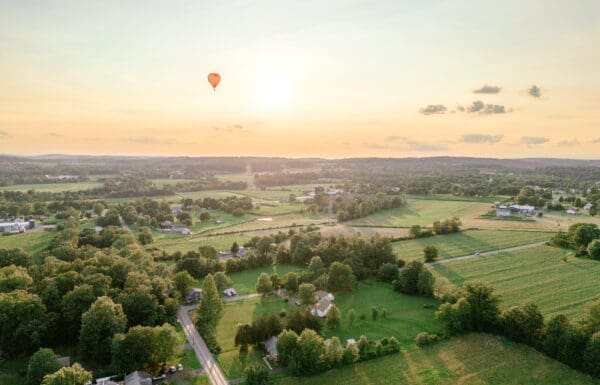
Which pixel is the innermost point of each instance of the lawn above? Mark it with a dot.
(230, 360)
(276, 208)
(474, 359)
(539, 275)
(244, 282)
(406, 316)
(421, 212)
(12, 372)
(467, 242)
(33, 242)
(177, 242)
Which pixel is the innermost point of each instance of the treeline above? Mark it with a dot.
(475, 307)
(287, 178)
(583, 238)
(348, 206)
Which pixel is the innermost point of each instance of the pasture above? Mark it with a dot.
(422, 212)
(406, 317)
(230, 359)
(53, 187)
(467, 242)
(549, 277)
(473, 359)
(33, 242)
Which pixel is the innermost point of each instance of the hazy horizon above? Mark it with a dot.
(355, 79)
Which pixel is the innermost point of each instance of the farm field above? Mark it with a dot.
(473, 359)
(467, 242)
(274, 222)
(53, 187)
(184, 243)
(421, 212)
(230, 359)
(539, 275)
(275, 208)
(406, 317)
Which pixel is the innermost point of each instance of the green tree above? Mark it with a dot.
(341, 278)
(41, 363)
(333, 317)
(334, 353)
(211, 305)
(73, 375)
(145, 236)
(408, 281)
(145, 347)
(14, 278)
(425, 283)
(306, 293)
(287, 341)
(291, 282)
(593, 249)
(430, 253)
(98, 208)
(183, 282)
(523, 323)
(23, 322)
(99, 324)
(257, 375)
(415, 231)
(388, 272)
(316, 264)
(222, 281)
(234, 248)
(309, 353)
(74, 304)
(264, 285)
(591, 356)
(350, 354)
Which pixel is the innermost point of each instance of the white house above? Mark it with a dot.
(16, 226)
(324, 303)
(588, 206)
(503, 211)
(523, 209)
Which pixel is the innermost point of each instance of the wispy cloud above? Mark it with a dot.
(480, 107)
(424, 147)
(395, 138)
(534, 91)
(481, 138)
(403, 144)
(597, 140)
(533, 140)
(231, 128)
(3, 134)
(376, 146)
(55, 135)
(568, 143)
(433, 109)
(142, 140)
(487, 90)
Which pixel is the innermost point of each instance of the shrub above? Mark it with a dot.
(423, 339)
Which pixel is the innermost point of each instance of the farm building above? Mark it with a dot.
(523, 209)
(16, 226)
(503, 211)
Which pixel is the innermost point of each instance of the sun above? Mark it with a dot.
(274, 90)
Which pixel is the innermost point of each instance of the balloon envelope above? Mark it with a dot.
(214, 79)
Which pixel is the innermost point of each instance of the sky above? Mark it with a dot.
(301, 78)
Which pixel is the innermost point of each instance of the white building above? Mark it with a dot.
(503, 211)
(588, 206)
(16, 226)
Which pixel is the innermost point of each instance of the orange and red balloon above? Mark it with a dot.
(214, 79)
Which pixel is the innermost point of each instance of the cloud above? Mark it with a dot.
(394, 138)
(56, 135)
(480, 138)
(534, 91)
(3, 134)
(433, 109)
(376, 146)
(487, 90)
(482, 108)
(424, 147)
(597, 140)
(142, 140)
(533, 140)
(231, 128)
(568, 143)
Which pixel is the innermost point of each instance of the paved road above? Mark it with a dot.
(211, 368)
(505, 250)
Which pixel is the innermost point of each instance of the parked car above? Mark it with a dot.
(179, 367)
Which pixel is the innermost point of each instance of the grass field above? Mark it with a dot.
(421, 212)
(244, 282)
(539, 275)
(467, 242)
(33, 242)
(177, 242)
(53, 187)
(405, 319)
(474, 359)
(275, 208)
(230, 360)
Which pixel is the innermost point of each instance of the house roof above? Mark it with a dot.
(64, 361)
(322, 305)
(138, 378)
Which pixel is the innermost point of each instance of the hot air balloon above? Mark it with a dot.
(214, 80)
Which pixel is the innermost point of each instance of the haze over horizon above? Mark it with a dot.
(336, 80)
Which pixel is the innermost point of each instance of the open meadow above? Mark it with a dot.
(549, 277)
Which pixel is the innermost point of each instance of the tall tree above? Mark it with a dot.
(333, 318)
(306, 293)
(72, 375)
(264, 285)
(99, 324)
(211, 305)
(41, 363)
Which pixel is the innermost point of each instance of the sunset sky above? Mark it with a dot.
(301, 78)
